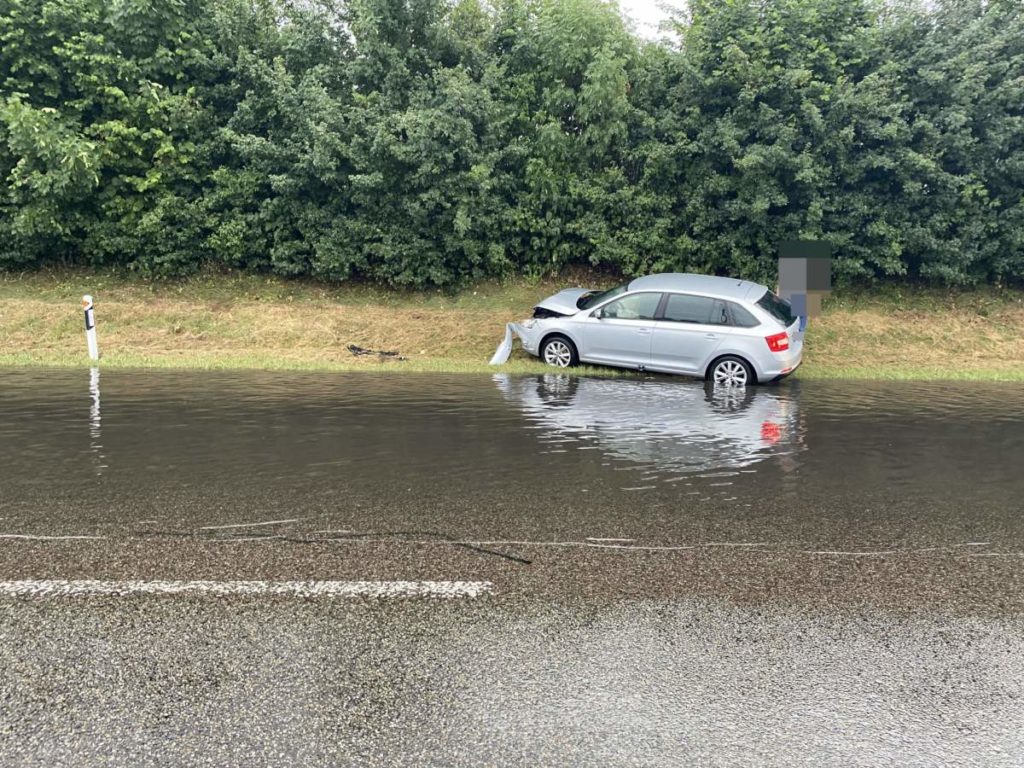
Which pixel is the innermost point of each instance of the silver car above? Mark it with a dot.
(729, 331)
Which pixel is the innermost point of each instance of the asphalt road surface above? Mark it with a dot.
(456, 571)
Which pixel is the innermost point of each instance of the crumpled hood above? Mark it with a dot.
(564, 302)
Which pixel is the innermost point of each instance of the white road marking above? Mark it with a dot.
(855, 554)
(45, 538)
(632, 547)
(375, 589)
(242, 539)
(249, 525)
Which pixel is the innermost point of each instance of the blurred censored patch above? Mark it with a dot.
(805, 274)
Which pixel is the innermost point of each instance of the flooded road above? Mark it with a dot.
(309, 569)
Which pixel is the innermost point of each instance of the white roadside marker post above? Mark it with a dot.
(90, 327)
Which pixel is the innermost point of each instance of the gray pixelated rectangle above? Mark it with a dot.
(798, 303)
(805, 275)
(792, 276)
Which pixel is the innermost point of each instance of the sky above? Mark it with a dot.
(647, 14)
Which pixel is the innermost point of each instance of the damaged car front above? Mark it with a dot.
(562, 305)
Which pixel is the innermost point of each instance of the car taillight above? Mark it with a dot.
(778, 342)
(771, 432)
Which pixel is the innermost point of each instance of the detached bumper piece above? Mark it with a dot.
(504, 350)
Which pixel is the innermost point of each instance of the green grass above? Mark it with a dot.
(233, 320)
(270, 362)
(983, 300)
(908, 373)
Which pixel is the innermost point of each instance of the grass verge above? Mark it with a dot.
(237, 321)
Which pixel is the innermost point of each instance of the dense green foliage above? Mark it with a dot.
(426, 142)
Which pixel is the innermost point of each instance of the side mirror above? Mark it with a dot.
(598, 313)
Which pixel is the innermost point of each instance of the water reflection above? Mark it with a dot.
(868, 464)
(95, 433)
(677, 427)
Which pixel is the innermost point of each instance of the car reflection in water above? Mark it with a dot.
(671, 426)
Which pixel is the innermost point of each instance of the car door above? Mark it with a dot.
(619, 332)
(687, 332)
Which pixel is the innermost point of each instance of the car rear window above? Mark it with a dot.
(777, 308)
(742, 317)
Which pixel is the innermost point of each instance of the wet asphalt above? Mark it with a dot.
(813, 574)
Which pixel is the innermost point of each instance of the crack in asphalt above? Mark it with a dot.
(225, 534)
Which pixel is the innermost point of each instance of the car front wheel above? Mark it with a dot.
(559, 352)
(731, 371)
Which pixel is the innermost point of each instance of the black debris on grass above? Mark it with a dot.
(357, 351)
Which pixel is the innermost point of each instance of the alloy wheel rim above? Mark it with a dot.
(557, 353)
(730, 373)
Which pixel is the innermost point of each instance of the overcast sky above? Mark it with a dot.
(647, 14)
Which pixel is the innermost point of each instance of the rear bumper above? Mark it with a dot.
(779, 366)
(786, 373)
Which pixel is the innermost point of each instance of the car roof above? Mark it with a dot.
(725, 287)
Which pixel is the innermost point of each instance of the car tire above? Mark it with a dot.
(557, 390)
(726, 399)
(732, 371)
(558, 351)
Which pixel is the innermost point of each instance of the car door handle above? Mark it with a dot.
(643, 330)
(710, 335)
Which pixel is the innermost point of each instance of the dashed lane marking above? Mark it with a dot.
(370, 589)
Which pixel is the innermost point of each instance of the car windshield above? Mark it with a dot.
(592, 299)
(777, 308)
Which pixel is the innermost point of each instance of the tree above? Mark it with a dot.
(430, 142)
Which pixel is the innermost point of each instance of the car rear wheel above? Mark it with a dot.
(731, 371)
(559, 352)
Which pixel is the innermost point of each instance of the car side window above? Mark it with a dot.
(683, 308)
(742, 317)
(639, 306)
